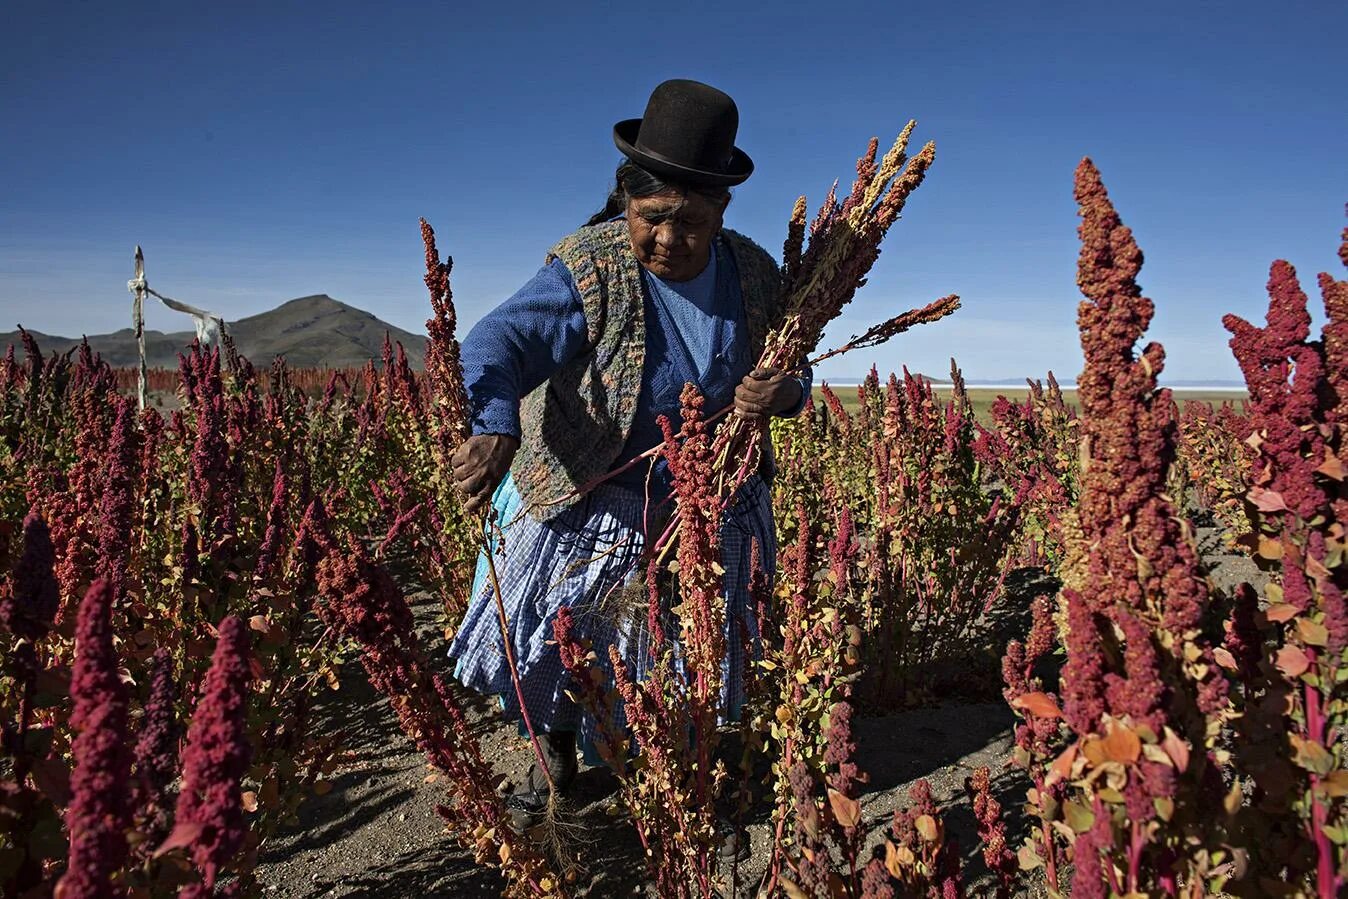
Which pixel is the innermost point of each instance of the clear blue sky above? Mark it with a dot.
(261, 152)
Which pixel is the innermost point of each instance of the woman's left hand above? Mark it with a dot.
(766, 391)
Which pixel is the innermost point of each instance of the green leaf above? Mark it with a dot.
(1079, 818)
(38, 740)
(46, 839)
(1337, 835)
(1111, 795)
(1311, 755)
(10, 859)
(1028, 858)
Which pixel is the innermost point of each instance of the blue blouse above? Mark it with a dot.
(695, 331)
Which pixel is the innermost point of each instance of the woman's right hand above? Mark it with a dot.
(479, 465)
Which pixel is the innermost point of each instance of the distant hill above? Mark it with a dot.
(311, 332)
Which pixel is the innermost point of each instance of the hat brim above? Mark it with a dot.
(737, 172)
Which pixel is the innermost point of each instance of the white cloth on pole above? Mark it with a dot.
(209, 325)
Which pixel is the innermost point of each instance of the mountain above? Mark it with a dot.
(310, 332)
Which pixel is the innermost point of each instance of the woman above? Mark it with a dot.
(566, 380)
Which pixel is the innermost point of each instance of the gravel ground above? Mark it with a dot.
(376, 832)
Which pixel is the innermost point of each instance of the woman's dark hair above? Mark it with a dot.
(631, 180)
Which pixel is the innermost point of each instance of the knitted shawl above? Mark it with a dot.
(577, 422)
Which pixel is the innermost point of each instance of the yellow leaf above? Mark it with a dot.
(792, 890)
(1313, 632)
(1269, 548)
(1335, 783)
(1155, 753)
(1309, 754)
(897, 858)
(1234, 797)
(927, 828)
(504, 853)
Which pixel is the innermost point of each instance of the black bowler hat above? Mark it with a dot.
(687, 135)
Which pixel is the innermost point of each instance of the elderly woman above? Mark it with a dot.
(567, 379)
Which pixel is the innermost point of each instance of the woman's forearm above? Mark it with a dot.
(519, 345)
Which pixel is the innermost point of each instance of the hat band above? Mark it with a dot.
(660, 157)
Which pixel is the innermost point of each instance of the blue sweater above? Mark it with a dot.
(695, 331)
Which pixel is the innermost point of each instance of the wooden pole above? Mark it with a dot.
(138, 288)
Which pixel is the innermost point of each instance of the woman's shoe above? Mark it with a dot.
(734, 847)
(528, 802)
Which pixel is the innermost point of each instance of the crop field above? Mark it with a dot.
(1032, 644)
(981, 399)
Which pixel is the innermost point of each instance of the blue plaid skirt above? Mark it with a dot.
(588, 558)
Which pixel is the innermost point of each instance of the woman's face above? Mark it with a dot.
(672, 232)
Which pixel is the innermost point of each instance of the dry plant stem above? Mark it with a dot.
(774, 871)
(504, 621)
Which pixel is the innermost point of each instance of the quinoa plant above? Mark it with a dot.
(361, 601)
(812, 664)
(935, 543)
(1143, 698)
(182, 517)
(1289, 652)
(997, 856)
(669, 718)
(1213, 465)
(32, 783)
(209, 819)
(98, 817)
(1032, 449)
(916, 858)
(1038, 744)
